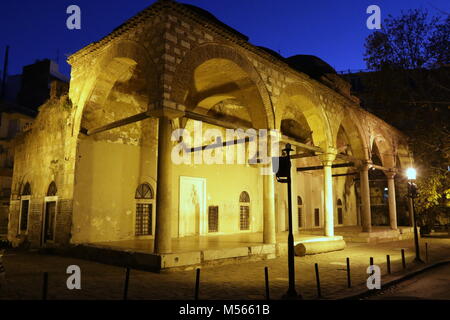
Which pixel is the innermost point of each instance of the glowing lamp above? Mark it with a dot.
(411, 173)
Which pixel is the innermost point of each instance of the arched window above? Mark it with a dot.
(50, 213)
(144, 191)
(144, 197)
(26, 191)
(340, 212)
(52, 190)
(244, 211)
(24, 208)
(300, 211)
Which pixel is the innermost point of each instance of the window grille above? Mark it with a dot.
(244, 211)
(213, 219)
(300, 211)
(144, 210)
(317, 217)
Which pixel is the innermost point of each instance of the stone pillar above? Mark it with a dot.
(391, 197)
(327, 161)
(269, 232)
(366, 218)
(163, 232)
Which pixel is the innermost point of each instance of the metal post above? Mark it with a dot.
(403, 259)
(416, 235)
(45, 286)
(197, 283)
(319, 292)
(266, 276)
(349, 281)
(125, 288)
(388, 263)
(291, 293)
(371, 261)
(5, 74)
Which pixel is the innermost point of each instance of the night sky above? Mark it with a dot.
(333, 30)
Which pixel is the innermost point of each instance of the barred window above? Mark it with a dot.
(300, 211)
(244, 211)
(50, 213)
(317, 217)
(24, 208)
(144, 210)
(213, 219)
(340, 212)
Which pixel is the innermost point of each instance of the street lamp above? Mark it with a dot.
(283, 175)
(412, 193)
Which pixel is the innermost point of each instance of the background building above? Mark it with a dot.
(19, 102)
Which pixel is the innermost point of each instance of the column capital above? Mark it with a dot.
(365, 165)
(327, 158)
(390, 174)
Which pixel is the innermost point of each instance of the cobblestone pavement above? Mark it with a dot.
(232, 281)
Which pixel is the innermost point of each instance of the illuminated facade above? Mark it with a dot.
(101, 168)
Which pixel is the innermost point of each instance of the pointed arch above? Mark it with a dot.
(197, 82)
(297, 102)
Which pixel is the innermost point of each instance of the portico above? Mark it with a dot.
(112, 151)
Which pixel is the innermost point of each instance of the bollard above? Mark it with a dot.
(403, 259)
(349, 281)
(426, 252)
(371, 261)
(266, 276)
(197, 283)
(388, 263)
(319, 292)
(45, 286)
(127, 280)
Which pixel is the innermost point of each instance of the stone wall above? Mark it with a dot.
(39, 160)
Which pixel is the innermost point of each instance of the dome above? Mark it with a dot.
(209, 16)
(311, 65)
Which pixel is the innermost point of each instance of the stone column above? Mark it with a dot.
(366, 219)
(391, 197)
(163, 232)
(327, 161)
(269, 232)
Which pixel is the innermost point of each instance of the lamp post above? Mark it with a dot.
(283, 174)
(412, 193)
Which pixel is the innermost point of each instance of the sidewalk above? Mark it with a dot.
(232, 281)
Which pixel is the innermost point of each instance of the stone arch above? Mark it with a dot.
(385, 149)
(296, 99)
(194, 83)
(403, 156)
(117, 62)
(355, 135)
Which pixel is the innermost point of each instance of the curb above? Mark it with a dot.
(363, 292)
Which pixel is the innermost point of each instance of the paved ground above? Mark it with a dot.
(233, 281)
(432, 284)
